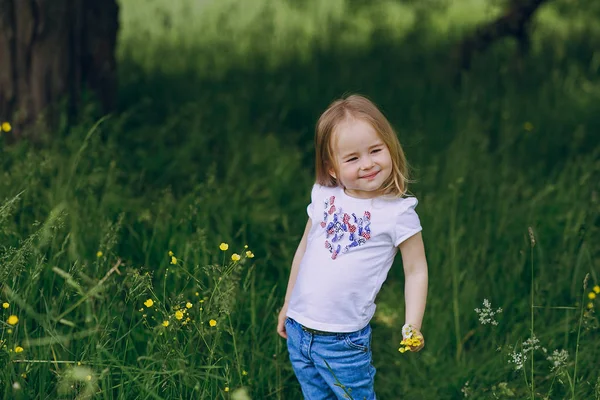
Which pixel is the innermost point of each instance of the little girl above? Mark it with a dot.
(358, 218)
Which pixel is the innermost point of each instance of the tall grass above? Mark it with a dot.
(212, 145)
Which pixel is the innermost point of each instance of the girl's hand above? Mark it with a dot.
(417, 333)
(412, 339)
(281, 321)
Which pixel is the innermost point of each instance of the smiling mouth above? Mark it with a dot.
(370, 176)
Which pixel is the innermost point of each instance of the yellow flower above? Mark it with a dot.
(197, 294)
(173, 260)
(212, 322)
(149, 303)
(226, 388)
(171, 253)
(12, 320)
(188, 305)
(244, 372)
(596, 289)
(18, 349)
(165, 323)
(590, 305)
(235, 257)
(223, 246)
(5, 305)
(591, 295)
(6, 127)
(249, 254)
(245, 246)
(528, 126)
(99, 254)
(402, 349)
(178, 314)
(89, 377)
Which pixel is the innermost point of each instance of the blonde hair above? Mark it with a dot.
(358, 107)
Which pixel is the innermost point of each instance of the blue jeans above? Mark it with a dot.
(335, 366)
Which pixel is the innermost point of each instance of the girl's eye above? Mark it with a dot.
(376, 151)
(351, 159)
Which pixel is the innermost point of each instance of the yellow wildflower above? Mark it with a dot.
(99, 254)
(6, 127)
(5, 305)
(411, 340)
(591, 295)
(596, 289)
(18, 349)
(178, 314)
(226, 388)
(12, 320)
(249, 254)
(528, 126)
(173, 260)
(171, 253)
(165, 323)
(24, 375)
(212, 322)
(89, 377)
(245, 246)
(223, 246)
(197, 294)
(188, 305)
(244, 372)
(235, 257)
(149, 303)
(590, 305)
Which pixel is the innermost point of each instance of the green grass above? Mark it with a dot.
(213, 143)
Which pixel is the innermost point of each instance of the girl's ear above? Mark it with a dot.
(331, 171)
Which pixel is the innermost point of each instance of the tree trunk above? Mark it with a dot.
(514, 22)
(53, 50)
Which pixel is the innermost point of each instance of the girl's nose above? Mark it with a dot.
(367, 162)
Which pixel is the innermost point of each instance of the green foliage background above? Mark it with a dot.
(213, 143)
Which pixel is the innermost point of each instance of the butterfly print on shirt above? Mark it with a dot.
(344, 231)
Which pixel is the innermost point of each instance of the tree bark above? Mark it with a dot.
(54, 50)
(514, 22)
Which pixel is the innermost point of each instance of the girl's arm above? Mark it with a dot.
(415, 273)
(292, 280)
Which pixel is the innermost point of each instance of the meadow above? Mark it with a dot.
(144, 254)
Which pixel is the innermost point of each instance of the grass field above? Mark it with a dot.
(212, 144)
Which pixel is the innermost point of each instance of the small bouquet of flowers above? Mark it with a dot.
(410, 338)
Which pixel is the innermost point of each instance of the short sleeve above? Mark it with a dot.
(310, 210)
(407, 221)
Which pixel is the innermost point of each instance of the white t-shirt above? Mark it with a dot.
(350, 249)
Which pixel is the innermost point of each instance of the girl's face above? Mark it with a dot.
(362, 160)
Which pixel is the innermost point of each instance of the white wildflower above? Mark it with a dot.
(466, 390)
(486, 314)
(531, 344)
(558, 359)
(518, 359)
